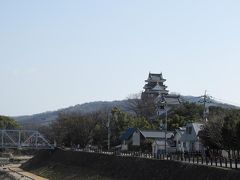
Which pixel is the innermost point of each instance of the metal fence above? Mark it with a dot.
(180, 157)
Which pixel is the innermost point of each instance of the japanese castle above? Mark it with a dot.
(156, 89)
(155, 86)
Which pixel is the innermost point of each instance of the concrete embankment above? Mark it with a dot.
(82, 165)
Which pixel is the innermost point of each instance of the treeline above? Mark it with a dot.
(8, 123)
(80, 130)
(221, 132)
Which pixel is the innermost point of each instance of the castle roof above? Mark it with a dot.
(155, 78)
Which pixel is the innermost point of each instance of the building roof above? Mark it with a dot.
(197, 127)
(158, 87)
(128, 133)
(155, 77)
(169, 99)
(194, 135)
(181, 130)
(172, 100)
(148, 134)
(151, 85)
(161, 143)
(156, 134)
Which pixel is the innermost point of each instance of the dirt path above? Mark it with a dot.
(15, 172)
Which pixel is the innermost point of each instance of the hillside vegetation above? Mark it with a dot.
(8, 123)
(92, 107)
(80, 130)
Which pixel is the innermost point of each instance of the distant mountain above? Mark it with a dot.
(210, 102)
(48, 117)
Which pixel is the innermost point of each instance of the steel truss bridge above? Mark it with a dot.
(23, 139)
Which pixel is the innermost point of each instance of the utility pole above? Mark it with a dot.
(114, 115)
(162, 105)
(166, 124)
(162, 102)
(204, 105)
(109, 131)
(205, 110)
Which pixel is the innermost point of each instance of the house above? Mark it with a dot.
(136, 137)
(173, 144)
(177, 138)
(190, 139)
(160, 147)
(126, 138)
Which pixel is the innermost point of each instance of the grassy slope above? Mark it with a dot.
(79, 165)
(58, 171)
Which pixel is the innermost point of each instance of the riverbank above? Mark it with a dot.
(14, 172)
(81, 165)
(6, 176)
(9, 166)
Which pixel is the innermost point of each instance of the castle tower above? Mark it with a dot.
(154, 86)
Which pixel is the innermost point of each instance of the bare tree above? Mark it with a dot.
(141, 107)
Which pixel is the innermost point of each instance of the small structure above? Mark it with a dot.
(158, 146)
(127, 139)
(190, 139)
(136, 137)
(177, 138)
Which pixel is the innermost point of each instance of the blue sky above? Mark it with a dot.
(55, 54)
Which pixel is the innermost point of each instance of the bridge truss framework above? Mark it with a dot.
(23, 139)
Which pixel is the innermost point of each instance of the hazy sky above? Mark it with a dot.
(55, 54)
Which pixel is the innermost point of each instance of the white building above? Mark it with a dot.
(177, 138)
(190, 140)
(159, 146)
(136, 137)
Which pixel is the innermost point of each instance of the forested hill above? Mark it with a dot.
(48, 117)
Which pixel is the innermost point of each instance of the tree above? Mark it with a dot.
(73, 130)
(140, 122)
(47, 131)
(238, 135)
(8, 123)
(141, 107)
(211, 135)
(120, 121)
(223, 130)
(229, 133)
(179, 116)
(100, 132)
